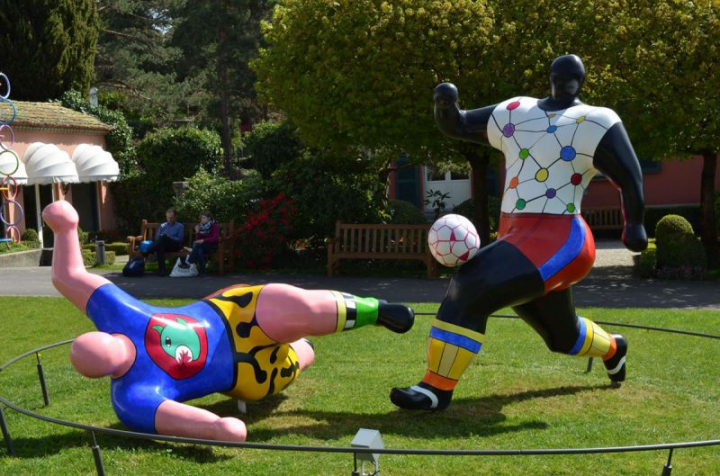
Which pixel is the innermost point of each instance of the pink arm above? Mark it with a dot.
(178, 419)
(68, 271)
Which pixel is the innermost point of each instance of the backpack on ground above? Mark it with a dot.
(135, 267)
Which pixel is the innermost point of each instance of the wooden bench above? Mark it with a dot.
(603, 218)
(148, 230)
(377, 241)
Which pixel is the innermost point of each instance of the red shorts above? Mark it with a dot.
(560, 246)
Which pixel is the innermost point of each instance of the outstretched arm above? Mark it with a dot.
(68, 270)
(616, 159)
(464, 125)
(178, 419)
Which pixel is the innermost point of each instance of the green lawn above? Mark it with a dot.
(516, 395)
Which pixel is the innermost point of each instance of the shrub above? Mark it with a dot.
(679, 253)
(167, 156)
(647, 262)
(271, 144)
(467, 209)
(88, 258)
(653, 215)
(30, 238)
(227, 200)
(119, 249)
(170, 155)
(328, 189)
(264, 237)
(402, 212)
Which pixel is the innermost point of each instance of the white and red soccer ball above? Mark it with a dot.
(453, 240)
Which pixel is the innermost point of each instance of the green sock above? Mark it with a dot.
(367, 311)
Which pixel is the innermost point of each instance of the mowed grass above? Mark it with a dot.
(516, 395)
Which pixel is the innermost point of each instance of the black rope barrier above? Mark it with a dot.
(354, 450)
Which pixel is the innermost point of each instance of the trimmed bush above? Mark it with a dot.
(653, 215)
(90, 259)
(30, 238)
(119, 249)
(680, 255)
(405, 213)
(647, 262)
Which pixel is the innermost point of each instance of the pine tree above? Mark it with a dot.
(48, 47)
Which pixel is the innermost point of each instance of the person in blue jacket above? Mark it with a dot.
(169, 238)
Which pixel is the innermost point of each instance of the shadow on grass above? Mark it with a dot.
(478, 417)
(29, 448)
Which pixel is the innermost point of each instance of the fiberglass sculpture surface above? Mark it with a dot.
(244, 341)
(553, 147)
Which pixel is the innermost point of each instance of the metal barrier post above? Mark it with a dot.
(41, 375)
(667, 469)
(589, 365)
(6, 433)
(100, 252)
(99, 466)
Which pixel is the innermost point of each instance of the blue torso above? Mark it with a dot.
(137, 394)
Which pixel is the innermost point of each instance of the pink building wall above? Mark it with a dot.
(677, 183)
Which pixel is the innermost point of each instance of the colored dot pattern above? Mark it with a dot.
(559, 178)
(568, 153)
(509, 130)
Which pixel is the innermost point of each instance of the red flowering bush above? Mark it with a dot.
(266, 232)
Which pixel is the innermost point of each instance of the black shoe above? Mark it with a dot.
(616, 365)
(421, 397)
(396, 317)
(184, 266)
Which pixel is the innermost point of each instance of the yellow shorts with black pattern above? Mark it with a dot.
(262, 366)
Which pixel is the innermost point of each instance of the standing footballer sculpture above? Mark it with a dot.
(553, 147)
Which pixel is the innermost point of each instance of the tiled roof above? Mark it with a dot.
(47, 115)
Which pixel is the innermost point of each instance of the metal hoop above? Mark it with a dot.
(5, 184)
(14, 115)
(12, 137)
(19, 217)
(17, 162)
(7, 81)
(14, 229)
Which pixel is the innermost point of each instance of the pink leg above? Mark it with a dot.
(305, 353)
(287, 313)
(68, 271)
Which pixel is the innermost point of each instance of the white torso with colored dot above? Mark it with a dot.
(548, 154)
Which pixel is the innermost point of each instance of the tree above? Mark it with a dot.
(48, 47)
(665, 65)
(357, 76)
(135, 58)
(218, 39)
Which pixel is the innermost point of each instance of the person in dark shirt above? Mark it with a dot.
(207, 238)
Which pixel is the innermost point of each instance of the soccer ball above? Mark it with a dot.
(453, 240)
